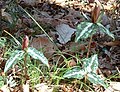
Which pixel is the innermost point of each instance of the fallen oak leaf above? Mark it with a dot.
(113, 43)
(44, 44)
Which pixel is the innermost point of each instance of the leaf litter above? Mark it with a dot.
(64, 21)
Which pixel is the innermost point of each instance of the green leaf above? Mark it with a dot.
(91, 64)
(1, 81)
(75, 72)
(37, 55)
(105, 30)
(95, 79)
(84, 30)
(16, 56)
(2, 41)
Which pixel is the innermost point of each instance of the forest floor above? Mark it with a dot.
(59, 20)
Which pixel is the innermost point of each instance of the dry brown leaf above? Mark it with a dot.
(42, 42)
(71, 63)
(51, 21)
(113, 43)
(67, 88)
(7, 16)
(59, 15)
(75, 47)
(31, 2)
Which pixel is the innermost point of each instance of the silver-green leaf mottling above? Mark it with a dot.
(37, 55)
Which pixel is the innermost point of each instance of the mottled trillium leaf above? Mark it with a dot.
(15, 57)
(95, 79)
(75, 72)
(105, 30)
(91, 64)
(37, 55)
(85, 30)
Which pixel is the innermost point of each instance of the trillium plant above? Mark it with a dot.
(90, 65)
(18, 55)
(87, 29)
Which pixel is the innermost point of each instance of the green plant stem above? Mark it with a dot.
(25, 66)
(78, 82)
(85, 78)
(89, 45)
(38, 25)
(41, 28)
(17, 42)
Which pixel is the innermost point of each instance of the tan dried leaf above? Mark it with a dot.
(5, 88)
(26, 88)
(113, 43)
(44, 44)
(114, 87)
(71, 63)
(43, 87)
(7, 16)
